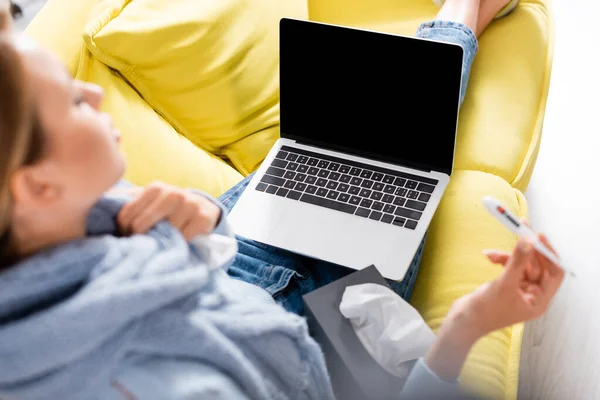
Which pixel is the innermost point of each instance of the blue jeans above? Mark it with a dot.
(286, 275)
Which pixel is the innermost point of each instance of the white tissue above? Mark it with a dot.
(391, 330)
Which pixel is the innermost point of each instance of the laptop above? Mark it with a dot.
(368, 130)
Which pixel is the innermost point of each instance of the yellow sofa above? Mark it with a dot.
(193, 87)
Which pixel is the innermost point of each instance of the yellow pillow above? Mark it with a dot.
(153, 149)
(210, 67)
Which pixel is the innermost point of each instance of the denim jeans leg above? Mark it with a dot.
(230, 197)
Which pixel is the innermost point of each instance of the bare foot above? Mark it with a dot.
(488, 9)
(465, 12)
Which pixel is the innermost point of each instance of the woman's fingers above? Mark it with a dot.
(161, 208)
(131, 210)
(193, 228)
(546, 242)
(535, 269)
(182, 215)
(497, 256)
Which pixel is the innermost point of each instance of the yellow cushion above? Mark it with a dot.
(501, 120)
(210, 68)
(453, 265)
(58, 27)
(153, 149)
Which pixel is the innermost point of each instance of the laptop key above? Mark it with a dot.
(378, 186)
(343, 187)
(363, 212)
(292, 157)
(301, 186)
(302, 169)
(279, 163)
(344, 169)
(408, 213)
(399, 201)
(345, 178)
(310, 179)
(399, 221)
(282, 154)
(321, 182)
(261, 187)
(343, 197)
(334, 176)
(289, 175)
(332, 185)
(365, 193)
(333, 167)
(355, 171)
(401, 192)
(388, 179)
(411, 184)
(311, 189)
(335, 205)
(413, 194)
(387, 218)
(332, 195)
(388, 208)
(289, 185)
(366, 174)
(323, 173)
(323, 164)
(387, 198)
(378, 206)
(356, 181)
(399, 182)
(389, 189)
(273, 180)
(275, 171)
(367, 184)
(366, 203)
(424, 197)
(376, 195)
(282, 192)
(292, 166)
(313, 171)
(377, 177)
(300, 177)
(376, 215)
(354, 190)
(423, 187)
(355, 200)
(312, 162)
(272, 189)
(321, 192)
(302, 160)
(410, 224)
(415, 205)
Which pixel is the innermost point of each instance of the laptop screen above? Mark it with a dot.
(375, 95)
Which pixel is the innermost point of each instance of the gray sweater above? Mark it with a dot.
(152, 317)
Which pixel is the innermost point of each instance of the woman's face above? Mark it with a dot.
(81, 153)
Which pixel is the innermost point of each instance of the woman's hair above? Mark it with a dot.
(21, 139)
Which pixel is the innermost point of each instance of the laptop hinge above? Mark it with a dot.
(357, 154)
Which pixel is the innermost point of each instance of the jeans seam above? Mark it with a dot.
(472, 39)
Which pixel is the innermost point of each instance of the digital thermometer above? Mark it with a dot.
(520, 229)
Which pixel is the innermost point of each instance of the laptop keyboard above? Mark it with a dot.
(383, 195)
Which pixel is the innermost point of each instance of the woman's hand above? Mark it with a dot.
(523, 292)
(191, 214)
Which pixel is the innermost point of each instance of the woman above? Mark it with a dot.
(123, 295)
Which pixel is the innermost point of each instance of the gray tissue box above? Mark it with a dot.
(355, 375)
